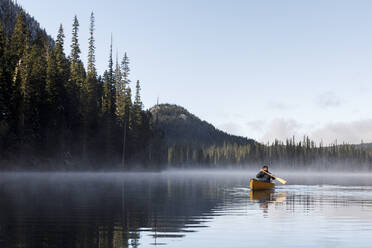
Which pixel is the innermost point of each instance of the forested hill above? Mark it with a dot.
(180, 127)
(8, 16)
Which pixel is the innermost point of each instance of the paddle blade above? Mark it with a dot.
(281, 180)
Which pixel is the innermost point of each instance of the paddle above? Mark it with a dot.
(277, 178)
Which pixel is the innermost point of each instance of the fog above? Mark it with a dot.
(242, 176)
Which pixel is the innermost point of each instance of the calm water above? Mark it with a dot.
(183, 209)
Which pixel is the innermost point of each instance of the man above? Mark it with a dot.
(264, 177)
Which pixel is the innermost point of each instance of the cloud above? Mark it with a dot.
(350, 132)
(281, 129)
(328, 99)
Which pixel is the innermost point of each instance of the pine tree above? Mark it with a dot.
(110, 66)
(90, 95)
(62, 62)
(57, 100)
(127, 97)
(57, 74)
(92, 48)
(119, 92)
(75, 93)
(137, 107)
(111, 81)
(33, 78)
(125, 70)
(18, 39)
(91, 81)
(77, 72)
(75, 47)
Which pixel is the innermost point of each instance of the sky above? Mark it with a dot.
(259, 69)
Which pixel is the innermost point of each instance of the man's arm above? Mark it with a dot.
(260, 174)
(271, 175)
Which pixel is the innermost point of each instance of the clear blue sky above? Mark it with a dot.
(260, 69)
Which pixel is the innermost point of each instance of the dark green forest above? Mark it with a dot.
(57, 113)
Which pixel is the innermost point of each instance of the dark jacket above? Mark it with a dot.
(262, 176)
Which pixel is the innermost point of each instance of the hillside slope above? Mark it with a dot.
(183, 128)
(8, 16)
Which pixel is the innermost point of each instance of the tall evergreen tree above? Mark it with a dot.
(125, 70)
(92, 48)
(57, 100)
(119, 92)
(112, 92)
(18, 39)
(33, 77)
(90, 95)
(77, 72)
(111, 65)
(127, 96)
(75, 92)
(19, 43)
(137, 107)
(57, 74)
(91, 83)
(91, 80)
(75, 47)
(62, 62)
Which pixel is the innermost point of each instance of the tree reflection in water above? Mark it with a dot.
(101, 211)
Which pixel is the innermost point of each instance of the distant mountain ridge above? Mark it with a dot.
(180, 127)
(9, 10)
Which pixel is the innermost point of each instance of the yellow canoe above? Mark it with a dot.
(254, 184)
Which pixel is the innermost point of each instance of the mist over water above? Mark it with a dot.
(188, 208)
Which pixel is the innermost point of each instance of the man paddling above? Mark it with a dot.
(264, 175)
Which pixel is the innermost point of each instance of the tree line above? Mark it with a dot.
(305, 154)
(55, 111)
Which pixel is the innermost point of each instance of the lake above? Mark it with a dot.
(183, 209)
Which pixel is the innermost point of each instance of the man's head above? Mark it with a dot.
(265, 168)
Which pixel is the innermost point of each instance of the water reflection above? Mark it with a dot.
(267, 197)
(111, 210)
(39, 211)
